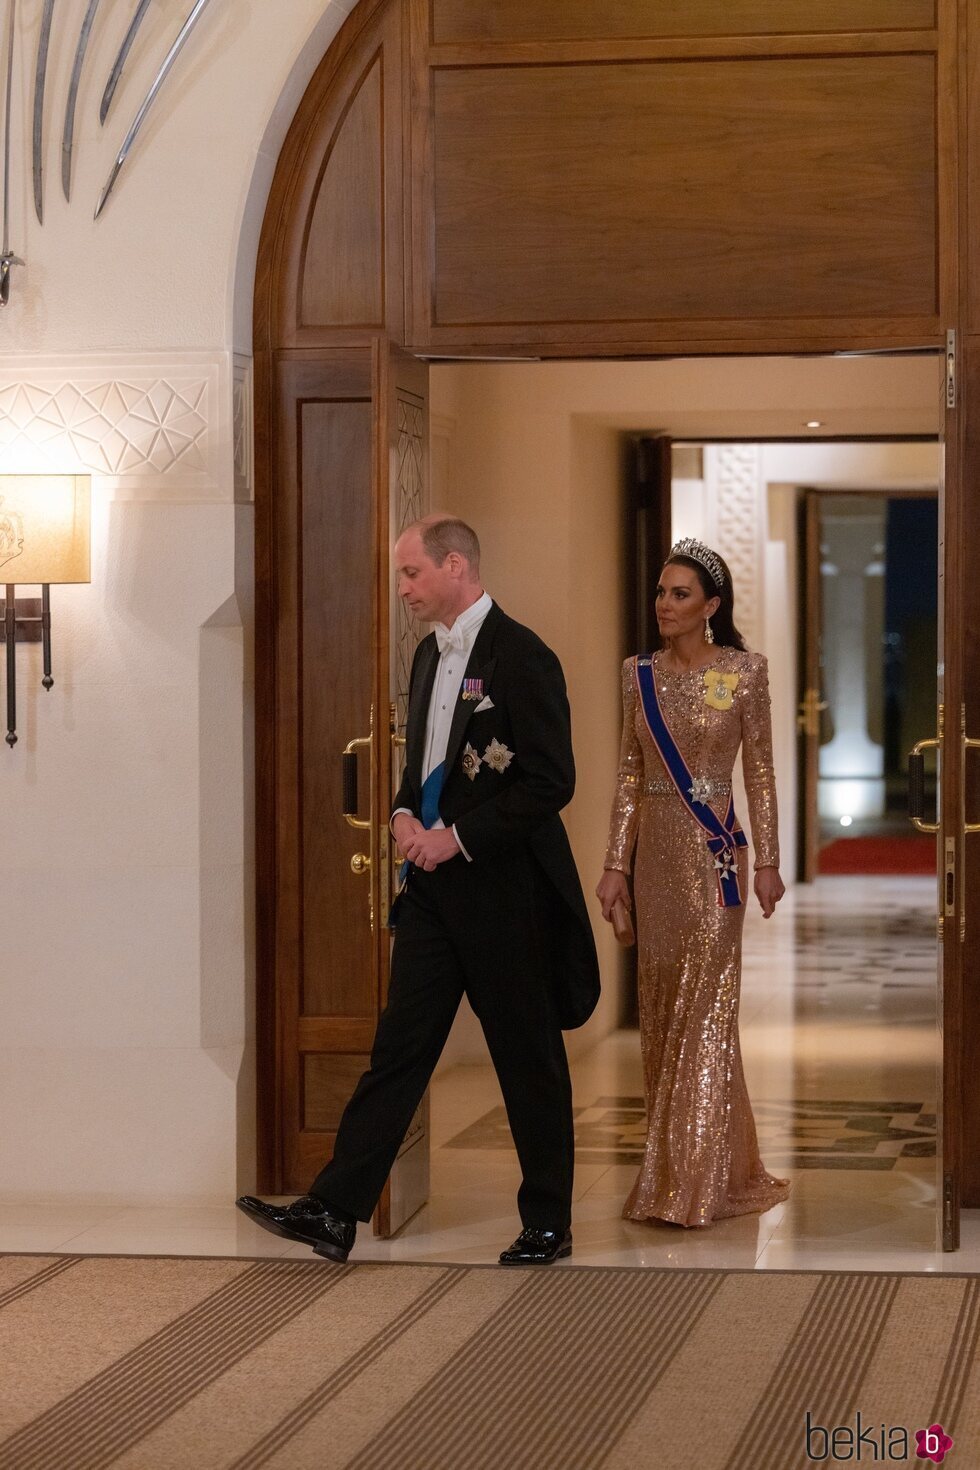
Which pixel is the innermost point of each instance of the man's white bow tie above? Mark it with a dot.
(452, 638)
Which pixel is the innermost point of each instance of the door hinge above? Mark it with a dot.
(951, 368)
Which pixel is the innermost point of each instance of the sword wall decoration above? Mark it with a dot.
(7, 259)
(68, 136)
(148, 101)
(120, 62)
(40, 75)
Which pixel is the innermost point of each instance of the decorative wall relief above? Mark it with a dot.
(410, 505)
(154, 428)
(733, 474)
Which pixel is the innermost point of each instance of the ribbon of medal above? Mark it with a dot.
(724, 838)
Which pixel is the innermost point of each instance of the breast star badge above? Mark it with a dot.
(719, 688)
(497, 756)
(699, 790)
(471, 762)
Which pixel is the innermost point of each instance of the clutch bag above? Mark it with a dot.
(622, 923)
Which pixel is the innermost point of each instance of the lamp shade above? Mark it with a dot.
(45, 528)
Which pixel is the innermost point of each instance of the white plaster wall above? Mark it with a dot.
(160, 268)
(127, 1003)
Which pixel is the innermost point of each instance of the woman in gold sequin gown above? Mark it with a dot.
(701, 1160)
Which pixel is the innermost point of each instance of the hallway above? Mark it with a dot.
(839, 1040)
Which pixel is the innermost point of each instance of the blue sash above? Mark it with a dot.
(431, 792)
(724, 837)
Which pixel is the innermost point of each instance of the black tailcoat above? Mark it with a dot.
(509, 772)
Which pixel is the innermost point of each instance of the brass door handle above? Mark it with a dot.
(917, 785)
(397, 741)
(349, 776)
(362, 863)
(810, 709)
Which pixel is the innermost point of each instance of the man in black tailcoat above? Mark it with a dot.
(491, 908)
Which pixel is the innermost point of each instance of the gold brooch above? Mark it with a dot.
(471, 762)
(719, 688)
(497, 756)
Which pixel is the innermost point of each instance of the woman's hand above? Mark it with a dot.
(769, 889)
(612, 885)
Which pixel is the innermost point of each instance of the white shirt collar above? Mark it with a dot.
(462, 634)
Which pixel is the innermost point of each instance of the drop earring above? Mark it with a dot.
(709, 636)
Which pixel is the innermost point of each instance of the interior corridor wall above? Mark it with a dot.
(544, 491)
(535, 456)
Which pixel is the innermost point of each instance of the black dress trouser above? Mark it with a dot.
(464, 929)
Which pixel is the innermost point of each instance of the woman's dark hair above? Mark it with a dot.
(723, 621)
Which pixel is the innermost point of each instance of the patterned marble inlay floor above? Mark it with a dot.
(792, 1135)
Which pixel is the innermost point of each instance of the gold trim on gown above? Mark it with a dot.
(701, 1159)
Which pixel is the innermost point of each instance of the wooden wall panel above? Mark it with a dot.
(343, 263)
(337, 641)
(765, 189)
(332, 267)
(565, 20)
(328, 1082)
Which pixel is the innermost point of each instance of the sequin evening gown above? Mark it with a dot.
(701, 1160)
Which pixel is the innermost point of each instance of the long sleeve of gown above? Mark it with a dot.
(629, 780)
(757, 764)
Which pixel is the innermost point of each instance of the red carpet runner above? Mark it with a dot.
(908, 855)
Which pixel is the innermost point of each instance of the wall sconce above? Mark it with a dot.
(45, 537)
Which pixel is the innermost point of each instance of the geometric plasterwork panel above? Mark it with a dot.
(410, 504)
(733, 476)
(149, 428)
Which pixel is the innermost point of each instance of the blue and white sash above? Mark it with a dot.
(724, 838)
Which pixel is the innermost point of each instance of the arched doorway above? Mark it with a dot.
(531, 180)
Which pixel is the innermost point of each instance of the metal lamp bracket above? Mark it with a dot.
(27, 615)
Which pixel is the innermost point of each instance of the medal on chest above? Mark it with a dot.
(719, 688)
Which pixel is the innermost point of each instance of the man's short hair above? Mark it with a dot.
(441, 537)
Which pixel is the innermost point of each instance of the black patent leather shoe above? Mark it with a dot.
(307, 1220)
(538, 1248)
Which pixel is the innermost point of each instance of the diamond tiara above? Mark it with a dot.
(697, 551)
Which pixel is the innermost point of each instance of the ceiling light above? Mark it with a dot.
(814, 423)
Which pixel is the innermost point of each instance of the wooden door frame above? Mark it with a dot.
(405, 323)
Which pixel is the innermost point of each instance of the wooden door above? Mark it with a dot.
(951, 734)
(323, 656)
(812, 703)
(350, 442)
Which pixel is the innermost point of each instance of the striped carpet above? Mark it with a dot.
(149, 1363)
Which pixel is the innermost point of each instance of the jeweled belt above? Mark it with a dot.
(660, 786)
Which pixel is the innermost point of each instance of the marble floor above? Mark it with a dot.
(840, 1042)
